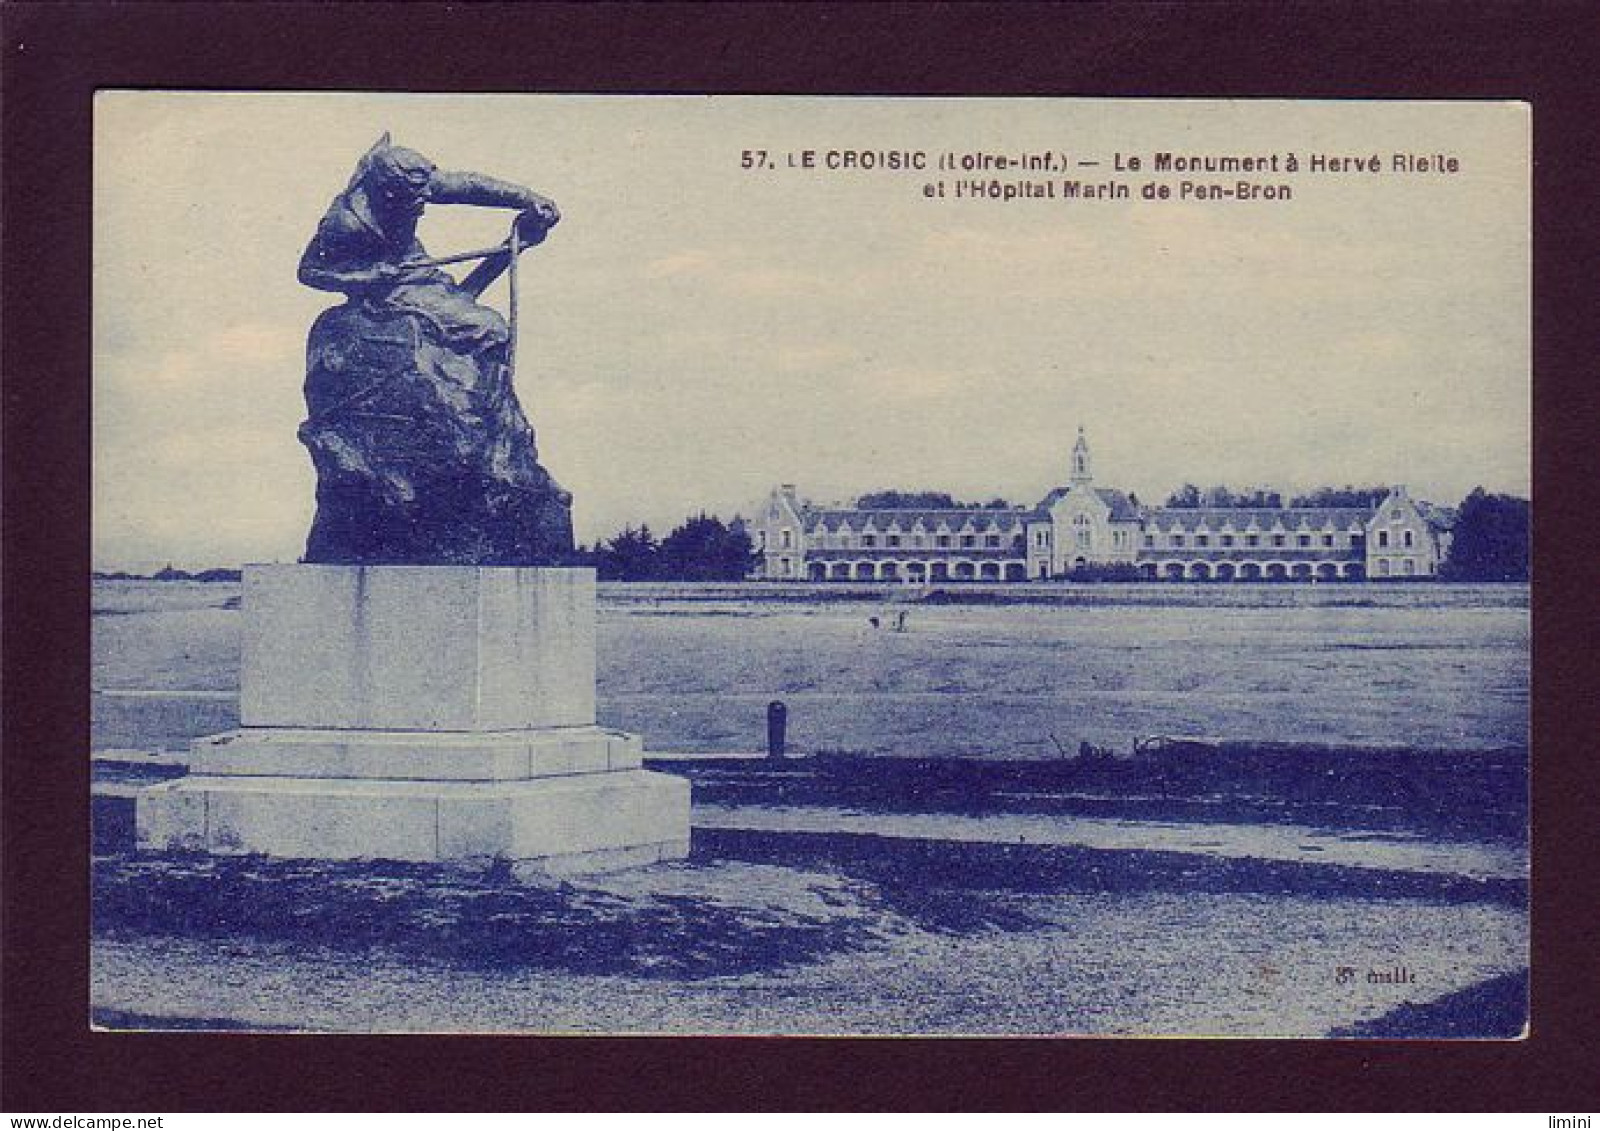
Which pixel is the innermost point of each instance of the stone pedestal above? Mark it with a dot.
(420, 713)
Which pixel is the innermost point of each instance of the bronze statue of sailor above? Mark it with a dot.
(422, 451)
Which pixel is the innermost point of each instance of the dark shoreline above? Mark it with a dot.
(1442, 794)
(1445, 795)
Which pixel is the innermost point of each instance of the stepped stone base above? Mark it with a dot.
(416, 755)
(424, 713)
(576, 822)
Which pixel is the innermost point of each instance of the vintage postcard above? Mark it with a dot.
(802, 565)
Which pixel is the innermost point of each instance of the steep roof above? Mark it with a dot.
(907, 517)
(1265, 518)
(1122, 507)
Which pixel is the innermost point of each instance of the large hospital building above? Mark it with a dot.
(1081, 526)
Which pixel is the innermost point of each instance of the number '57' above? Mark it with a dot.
(753, 159)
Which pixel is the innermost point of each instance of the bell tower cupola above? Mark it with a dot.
(1080, 459)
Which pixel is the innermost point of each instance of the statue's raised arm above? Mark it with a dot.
(367, 240)
(422, 451)
(488, 192)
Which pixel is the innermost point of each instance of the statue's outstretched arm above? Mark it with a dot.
(487, 192)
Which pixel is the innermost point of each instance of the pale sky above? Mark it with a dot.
(693, 333)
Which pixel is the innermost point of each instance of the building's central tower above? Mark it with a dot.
(1080, 459)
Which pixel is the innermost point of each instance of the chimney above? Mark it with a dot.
(787, 491)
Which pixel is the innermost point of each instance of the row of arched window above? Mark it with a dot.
(1303, 540)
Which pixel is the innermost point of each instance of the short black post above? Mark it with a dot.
(777, 723)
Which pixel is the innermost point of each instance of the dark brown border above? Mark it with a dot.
(56, 55)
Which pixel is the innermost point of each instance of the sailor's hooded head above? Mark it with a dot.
(396, 178)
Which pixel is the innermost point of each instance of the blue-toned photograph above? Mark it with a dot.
(811, 566)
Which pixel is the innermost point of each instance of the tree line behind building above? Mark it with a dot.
(1491, 537)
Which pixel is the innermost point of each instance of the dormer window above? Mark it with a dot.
(786, 538)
